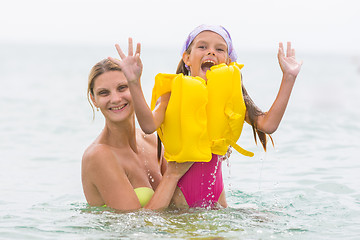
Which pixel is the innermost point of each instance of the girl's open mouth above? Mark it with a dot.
(206, 65)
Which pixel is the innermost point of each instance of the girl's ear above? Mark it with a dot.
(185, 58)
(228, 61)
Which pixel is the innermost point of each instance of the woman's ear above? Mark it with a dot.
(93, 100)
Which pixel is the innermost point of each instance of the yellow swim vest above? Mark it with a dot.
(201, 117)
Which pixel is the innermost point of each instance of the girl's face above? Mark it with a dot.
(207, 49)
(112, 96)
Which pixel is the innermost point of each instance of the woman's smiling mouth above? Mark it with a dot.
(118, 108)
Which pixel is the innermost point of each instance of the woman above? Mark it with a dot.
(121, 168)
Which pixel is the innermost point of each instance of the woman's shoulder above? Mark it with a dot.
(101, 160)
(95, 154)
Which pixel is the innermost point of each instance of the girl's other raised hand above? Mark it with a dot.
(288, 64)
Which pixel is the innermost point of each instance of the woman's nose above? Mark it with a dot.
(116, 97)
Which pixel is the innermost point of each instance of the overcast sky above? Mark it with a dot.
(312, 25)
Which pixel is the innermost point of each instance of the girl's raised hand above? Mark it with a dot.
(288, 64)
(131, 64)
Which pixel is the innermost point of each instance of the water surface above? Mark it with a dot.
(306, 187)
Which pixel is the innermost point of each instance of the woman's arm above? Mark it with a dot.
(131, 66)
(269, 122)
(108, 179)
(110, 184)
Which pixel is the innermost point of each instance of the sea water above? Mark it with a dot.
(305, 187)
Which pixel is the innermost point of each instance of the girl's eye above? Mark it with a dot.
(202, 47)
(221, 50)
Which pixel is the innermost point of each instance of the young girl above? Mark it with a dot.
(188, 111)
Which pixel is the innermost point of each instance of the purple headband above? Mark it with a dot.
(216, 29)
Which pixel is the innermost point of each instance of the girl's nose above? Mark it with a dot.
(211, 52)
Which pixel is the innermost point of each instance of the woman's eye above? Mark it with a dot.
(103, 93)
(122, 88)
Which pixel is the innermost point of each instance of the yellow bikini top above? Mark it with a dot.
(144, 195)
(201, 117)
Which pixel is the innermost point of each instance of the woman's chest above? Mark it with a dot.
(143, 170)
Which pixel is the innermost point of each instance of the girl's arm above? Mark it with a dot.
(269, 122)
(165, 191)
(131, 66)
(171, 173)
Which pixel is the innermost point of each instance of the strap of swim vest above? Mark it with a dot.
(235, 146)
(240, 149)
(233, 115)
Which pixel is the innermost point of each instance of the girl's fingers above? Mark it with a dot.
(120, 52)
(288, 49)
(138, 60)
(138, 49)
(281, 50)
(130, 51)
(114, 60)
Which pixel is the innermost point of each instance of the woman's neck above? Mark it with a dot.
(121, 134)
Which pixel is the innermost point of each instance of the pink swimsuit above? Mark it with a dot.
(203, 183)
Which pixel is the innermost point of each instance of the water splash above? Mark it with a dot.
(261, 167)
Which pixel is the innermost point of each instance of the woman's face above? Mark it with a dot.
(208, 49)
(112, 96)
